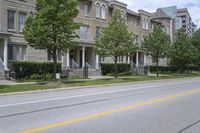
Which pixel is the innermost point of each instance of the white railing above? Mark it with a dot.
(74, 64)
(2, 67)
(85, 37)
(88, 65)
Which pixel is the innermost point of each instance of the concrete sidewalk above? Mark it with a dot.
(8, 82)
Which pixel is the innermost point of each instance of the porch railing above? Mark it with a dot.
(2, 67)
(74, 64)
(88, 65)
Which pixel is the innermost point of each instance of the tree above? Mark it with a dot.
(183, 53)
(157, 45)
(115, 40)
(196, 43)
(52, 27)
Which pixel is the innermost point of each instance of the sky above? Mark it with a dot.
(151, 6)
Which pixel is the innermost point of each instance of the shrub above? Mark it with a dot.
(173, 69)
(36, 76)
(107, 68)
(26, 69)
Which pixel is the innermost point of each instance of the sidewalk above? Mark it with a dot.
(8, 82)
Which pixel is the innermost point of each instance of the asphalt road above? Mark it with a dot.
(171, 106)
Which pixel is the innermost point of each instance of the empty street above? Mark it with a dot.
(168, 106)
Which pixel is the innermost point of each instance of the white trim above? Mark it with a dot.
(97, 2)
(102, 4)
(22, 3)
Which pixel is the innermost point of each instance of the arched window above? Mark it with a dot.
(103, 12)
(123, 14)
(98, 10)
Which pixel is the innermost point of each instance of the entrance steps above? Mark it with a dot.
(2, 76)
(80, 72)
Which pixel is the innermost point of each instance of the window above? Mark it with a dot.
(10, 52)
(144, 24)
(136, 22)
(98, 30)
(163, 27)
(17, 52)
(121, 59)
(22, 18)
(147, 24)
(98, 10)
(84, 32)
(168, 29)
(102, 59)
(49, 57)
(103, 12)
(152, 27)
(122, 13)
(136, 38)
(11, 20)
(86, 9)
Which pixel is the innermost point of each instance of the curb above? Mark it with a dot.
(84, 87)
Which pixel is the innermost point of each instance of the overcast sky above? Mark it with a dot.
(151, 6)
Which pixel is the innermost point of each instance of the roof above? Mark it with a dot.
(132, 12)
(159, 14)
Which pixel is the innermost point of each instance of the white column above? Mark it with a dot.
(5, 55)
(145, 59)
(63, 62)
(97, 62)
(83, 56)
(137, 59)
(129, 61)
(67, 60)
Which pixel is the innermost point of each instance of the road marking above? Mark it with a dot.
(85, 95)
(111, 112)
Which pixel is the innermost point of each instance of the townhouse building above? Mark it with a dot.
(94, 16)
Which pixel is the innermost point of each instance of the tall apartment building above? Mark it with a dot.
(94, 16)
(180, 19)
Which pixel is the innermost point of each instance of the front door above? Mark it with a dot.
(81, 57)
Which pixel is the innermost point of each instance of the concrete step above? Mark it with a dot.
(2, 76)
(79, 72)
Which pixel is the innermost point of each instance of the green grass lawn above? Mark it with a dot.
(86, 82)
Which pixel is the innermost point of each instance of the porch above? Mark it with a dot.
(80, 57)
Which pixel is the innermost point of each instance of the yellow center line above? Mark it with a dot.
(110, 112)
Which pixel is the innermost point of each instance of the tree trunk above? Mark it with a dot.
(157, 67)
(116, 68)
(54, 65)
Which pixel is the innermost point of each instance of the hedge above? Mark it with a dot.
(107, 68)
(24, 69)
(173, 69)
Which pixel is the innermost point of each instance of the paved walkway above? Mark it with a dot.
(100, 77)
(8, 82)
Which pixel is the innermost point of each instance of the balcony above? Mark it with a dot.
(85, 38)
